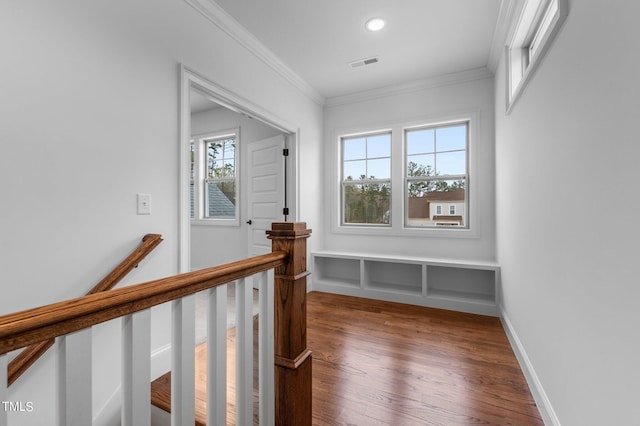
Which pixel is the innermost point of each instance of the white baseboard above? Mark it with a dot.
(542, 401)
(160, 361)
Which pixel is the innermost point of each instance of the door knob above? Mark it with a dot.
(249, 222)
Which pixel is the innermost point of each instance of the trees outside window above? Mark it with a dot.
(366, 179)
(214, 178)
(419, 172)
(220, 179)
(436, 174)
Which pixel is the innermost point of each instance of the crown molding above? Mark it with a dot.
(506, 17)
(220, 18)
(415, 86)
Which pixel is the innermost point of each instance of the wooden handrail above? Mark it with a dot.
(292, 378)
(149, 242)
(27, 327)
(31, 354)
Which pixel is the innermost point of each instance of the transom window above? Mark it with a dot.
(214, 178)
(538, 23)
(366, 179)
(436, 174)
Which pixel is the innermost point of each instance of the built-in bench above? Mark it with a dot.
(467, 286)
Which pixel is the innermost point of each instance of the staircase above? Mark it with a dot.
(284, 380)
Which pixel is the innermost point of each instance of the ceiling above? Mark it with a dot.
(200, 102)
(422, 38)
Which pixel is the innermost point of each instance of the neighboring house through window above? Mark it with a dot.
(405, 180)
(436, 173)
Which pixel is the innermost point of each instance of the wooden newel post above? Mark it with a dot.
(292, 357)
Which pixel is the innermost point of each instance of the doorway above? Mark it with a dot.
(266, 182)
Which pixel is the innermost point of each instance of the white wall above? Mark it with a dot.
(431, 101)
(568, 149)
(213, 245)
(89, 118)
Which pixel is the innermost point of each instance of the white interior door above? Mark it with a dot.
(266, 191)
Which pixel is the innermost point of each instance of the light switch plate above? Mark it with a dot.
(144, 203)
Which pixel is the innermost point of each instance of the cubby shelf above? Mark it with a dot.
(466, 286)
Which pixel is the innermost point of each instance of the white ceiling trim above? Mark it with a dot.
(429, 83)
(219, 17)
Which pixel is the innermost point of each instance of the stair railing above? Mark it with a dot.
(290, 378)
(32, 353)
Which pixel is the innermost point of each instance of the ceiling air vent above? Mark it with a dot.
(363, 62)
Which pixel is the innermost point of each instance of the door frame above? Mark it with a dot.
(190, 79)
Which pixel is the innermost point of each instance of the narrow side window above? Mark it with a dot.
(214, 179)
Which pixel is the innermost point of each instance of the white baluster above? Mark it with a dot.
(266, 356)
(136, 370)
(74, 378)
(244, 352)
(217, 357)
(183, 362)
(4, 393)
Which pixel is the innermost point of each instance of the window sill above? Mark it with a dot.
(215, 222)
(430, 232)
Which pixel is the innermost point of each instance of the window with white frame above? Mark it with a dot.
(214, 178)
(413, 179)
(436, 173)
(366, 179)
(537, 25)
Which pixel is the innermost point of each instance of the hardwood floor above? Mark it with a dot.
(382, 363)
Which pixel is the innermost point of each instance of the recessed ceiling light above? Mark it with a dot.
(375, 24)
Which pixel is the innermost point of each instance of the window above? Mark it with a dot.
(411, 179)
(435, 173)
(366, 179)
(214, 178)
(538, 24)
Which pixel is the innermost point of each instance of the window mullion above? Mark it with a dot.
(397, 183)
(198, 193)
(434, 178)
(366, 181)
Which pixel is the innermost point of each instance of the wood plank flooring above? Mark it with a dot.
(382, 363)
